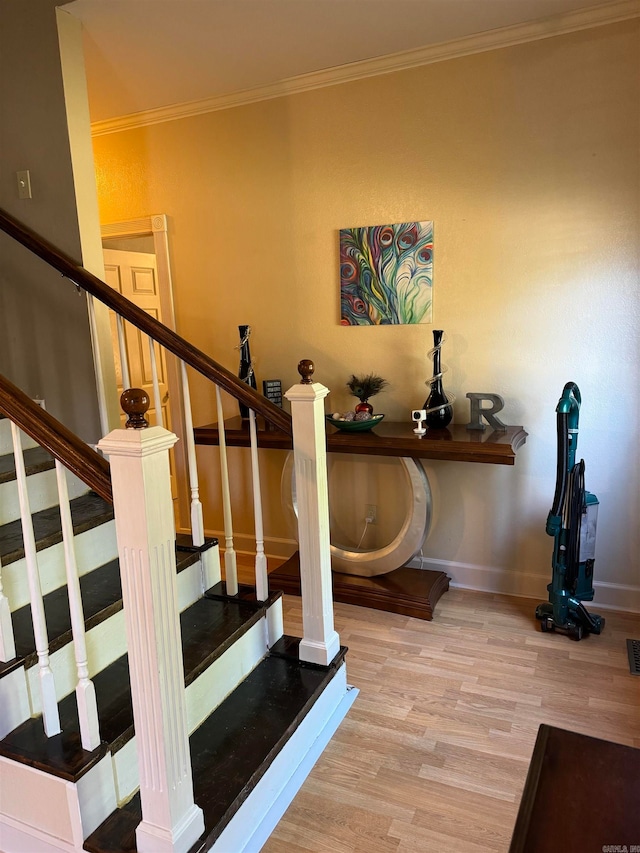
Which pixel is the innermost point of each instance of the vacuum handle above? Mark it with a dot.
(568, 411)
(562, 466)
(571, 390)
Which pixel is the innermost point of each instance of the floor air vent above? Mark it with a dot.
(633, 648)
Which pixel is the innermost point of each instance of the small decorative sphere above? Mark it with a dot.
(349, 416)
(135, 404)
(362, 416)
(306, 369)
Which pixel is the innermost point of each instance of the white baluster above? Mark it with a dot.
(85, 690)
(262, 582)
(7, 641)
(171, 822)
(197, 523)
(320, 642)
(157, 402)
(230, 563)
(50, 715)
(122, 348)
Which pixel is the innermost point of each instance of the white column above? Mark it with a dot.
(85, 688)
(146, 546)
(320, 642)
(262, 581)
(230, 562)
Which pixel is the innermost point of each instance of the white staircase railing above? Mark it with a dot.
(140, 475)
(140, 472)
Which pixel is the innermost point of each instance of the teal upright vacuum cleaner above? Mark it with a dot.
(572, 523)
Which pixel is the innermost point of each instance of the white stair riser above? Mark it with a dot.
(43, 493)
(14, 701)
(202, 697)
(6, 439)
(211, 567)
(93, 548)
(105, 644)
(223, 676)
(66, 813)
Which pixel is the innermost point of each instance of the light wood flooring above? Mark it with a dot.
(434, 753)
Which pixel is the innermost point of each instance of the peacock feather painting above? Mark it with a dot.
(386, 274)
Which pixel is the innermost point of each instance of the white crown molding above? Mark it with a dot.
(593, 16)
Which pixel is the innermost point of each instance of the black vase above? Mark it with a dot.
(437, 399)
(245, 372)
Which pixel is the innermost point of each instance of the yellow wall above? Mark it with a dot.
(526, 158)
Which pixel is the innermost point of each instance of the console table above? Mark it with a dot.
(405, 590)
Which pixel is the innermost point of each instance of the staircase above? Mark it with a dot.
(145, 703)
(256, 714)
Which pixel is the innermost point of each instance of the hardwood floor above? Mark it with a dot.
(434, 754)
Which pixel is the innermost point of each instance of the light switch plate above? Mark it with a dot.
(24, 184)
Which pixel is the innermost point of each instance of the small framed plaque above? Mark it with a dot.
(272, 390)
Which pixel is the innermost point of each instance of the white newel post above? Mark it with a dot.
(171, 822)
(320, 643)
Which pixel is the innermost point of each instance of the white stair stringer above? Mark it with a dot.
(255, 820)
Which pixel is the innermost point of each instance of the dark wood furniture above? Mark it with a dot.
(406, 590)
(581, 794)
(389, 438)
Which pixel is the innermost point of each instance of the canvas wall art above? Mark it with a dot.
(386, 274)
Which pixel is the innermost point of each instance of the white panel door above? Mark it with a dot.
(134, 275)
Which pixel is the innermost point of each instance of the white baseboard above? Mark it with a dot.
(608, 596)
(245, 543)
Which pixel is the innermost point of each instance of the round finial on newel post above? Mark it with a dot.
(135, 403)
(306, 369)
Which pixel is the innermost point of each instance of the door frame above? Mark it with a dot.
(157, 227)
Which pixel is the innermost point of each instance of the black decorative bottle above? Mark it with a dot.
(441, 413)
(245, 372)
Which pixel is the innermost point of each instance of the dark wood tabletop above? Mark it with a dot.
(389, 438)
(581, 794)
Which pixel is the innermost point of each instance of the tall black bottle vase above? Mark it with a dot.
(245, 371)
(441, 414)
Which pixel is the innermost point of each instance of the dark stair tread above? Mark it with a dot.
(246, 592)
(36, 459)
(208, 627)
(87, 511)
(101, 597)
(233, 748)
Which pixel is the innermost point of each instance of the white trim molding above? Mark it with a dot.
(555, 25)
(477, 578)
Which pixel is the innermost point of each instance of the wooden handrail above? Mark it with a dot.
(61, 443)
(169, 339)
